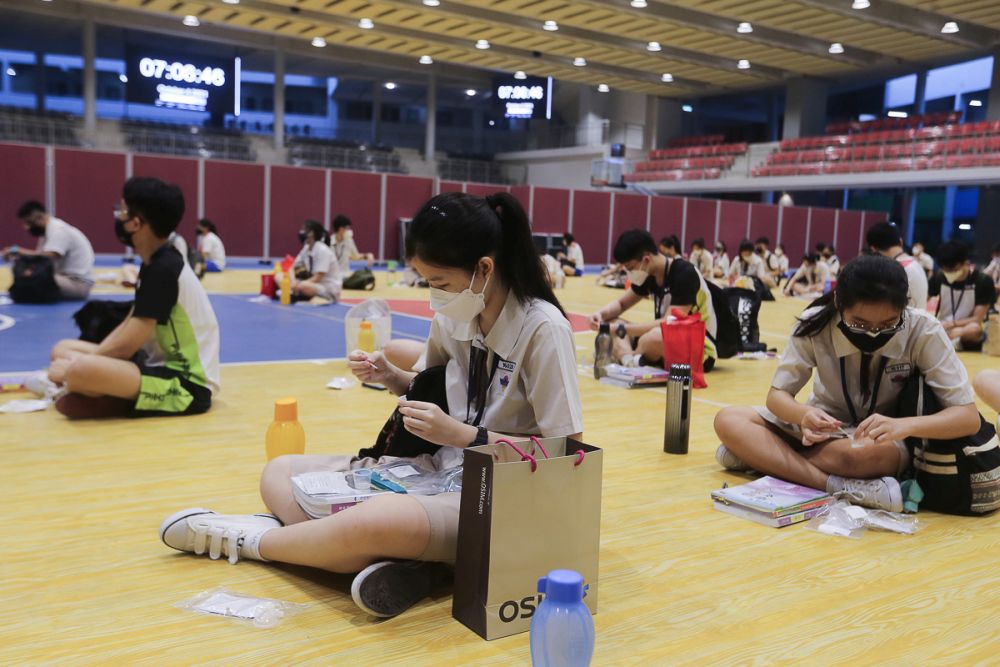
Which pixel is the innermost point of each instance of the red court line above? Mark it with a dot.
(421, 308)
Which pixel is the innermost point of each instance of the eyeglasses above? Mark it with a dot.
(873, 331)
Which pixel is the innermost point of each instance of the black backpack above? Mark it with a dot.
(394, 439)
(34, 280)
(745, 304)
(362, 279)
(99, 317)
(727, 328)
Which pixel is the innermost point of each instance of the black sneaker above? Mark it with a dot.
(389, 588)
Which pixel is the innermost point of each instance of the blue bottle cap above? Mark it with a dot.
(562, 586)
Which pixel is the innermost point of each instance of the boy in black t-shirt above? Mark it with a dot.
(672, 284)
(163, 359)
(965, 294)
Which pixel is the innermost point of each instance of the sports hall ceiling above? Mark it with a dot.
(699, 42)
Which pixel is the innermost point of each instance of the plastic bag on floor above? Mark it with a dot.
(258, 612)
(842, 519)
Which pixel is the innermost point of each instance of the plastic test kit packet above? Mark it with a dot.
(259, 612)
(843, 519)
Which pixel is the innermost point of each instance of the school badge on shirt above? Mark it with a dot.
(507, 368)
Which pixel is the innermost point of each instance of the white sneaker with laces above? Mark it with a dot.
(883, 493)
(234, 536)
(730, 461)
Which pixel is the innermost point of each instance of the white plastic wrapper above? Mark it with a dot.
(259, 612)
(341, 382)
(26, 405)
(842, 519)
(375, 311)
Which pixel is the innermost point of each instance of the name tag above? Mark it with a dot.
(898, 368)
(508, 366)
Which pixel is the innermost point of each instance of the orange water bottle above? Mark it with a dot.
(285, 435)
(366, 337)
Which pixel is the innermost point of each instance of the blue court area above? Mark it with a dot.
(250, 331)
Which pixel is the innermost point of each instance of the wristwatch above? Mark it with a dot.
(482, 437)
(621, 330)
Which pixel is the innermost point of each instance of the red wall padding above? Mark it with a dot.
(793, 232)
(522, 193)
(821, 227)
(403, 198)
(358, 195)
(700, 223)
(591, 217)
(18, 185)
(483, 189)
(732, 225)
(764, 222)
(182, 172)
(88, 187)
(297, 194)
(630, 213)
(551, 212)
(450, 186)
(666, 217)
(234, 201)
(848, 235)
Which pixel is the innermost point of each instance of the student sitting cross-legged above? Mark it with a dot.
(673, 284)
(859, 344)
(163, 359)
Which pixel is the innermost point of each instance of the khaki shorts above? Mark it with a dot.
(442, 509)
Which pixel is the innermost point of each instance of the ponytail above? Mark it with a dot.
(455, 230)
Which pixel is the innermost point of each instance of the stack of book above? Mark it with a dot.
(772, 502)
(628, 377)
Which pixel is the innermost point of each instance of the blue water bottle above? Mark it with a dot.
(562, 631)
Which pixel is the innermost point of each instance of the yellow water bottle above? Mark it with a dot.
(285, 435)
(366, 337)
(286, 289)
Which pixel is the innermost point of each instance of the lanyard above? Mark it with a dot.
(883, 361)
(476, 393)
(660, 293)
(955, 304)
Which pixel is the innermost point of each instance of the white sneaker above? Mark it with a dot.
(234, 536)
(730, 461)
(389, 588)
(883, 493)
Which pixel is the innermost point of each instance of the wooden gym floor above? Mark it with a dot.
(85, 579)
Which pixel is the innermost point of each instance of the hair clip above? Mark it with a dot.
(439, 211)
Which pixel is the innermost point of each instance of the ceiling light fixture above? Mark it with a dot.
(520, 76)
(191, 21)
(949, 28)
(123, 78)
(638, 4)
(687, 108)
(836, 48)
(432, 3)
(897, 114)
(965, 226)
(551, 26)
(579, 62)
(471, 92)
(744, 28)
(743, 64)
(231, 2)
(654, 47)
(426, 60)
(482, 44)
(603, 88)
(975, 103)
(366, 24)
(860, 4)
(318, 42)
(492, 123)
(667, 78)
(389, 85)
(11, 71)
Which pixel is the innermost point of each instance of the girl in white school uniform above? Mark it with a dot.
(859, 344)
(499, 331)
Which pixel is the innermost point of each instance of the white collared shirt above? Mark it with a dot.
(535, 389)
(921, 343)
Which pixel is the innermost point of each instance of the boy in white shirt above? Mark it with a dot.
(572, 258)
(324, 278)
(884, 238)
(70, 251)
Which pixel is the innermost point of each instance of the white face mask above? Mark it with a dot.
(461, 307)
(638, 276)
(349, 234)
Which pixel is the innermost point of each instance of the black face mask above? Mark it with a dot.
(36, 230)
(864, 342)
(302, 237)
(123, 235)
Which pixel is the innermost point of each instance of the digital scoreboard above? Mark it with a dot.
(182, 81)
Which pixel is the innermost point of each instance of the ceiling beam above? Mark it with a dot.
(914, 20)
(782, 39)
(498, 19)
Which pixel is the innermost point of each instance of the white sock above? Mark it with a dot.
(631, 360)
(834, 483)
(251, 545)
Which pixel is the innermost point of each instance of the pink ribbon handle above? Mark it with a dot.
(524, 456)
(538, 443)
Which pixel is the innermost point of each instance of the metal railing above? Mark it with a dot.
(26, 128)
(481, 171)
(188, 142)
(316, 154)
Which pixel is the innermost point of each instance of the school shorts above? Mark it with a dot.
(166, 392)
(212, 267)
(578, 272)
(441, 510)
